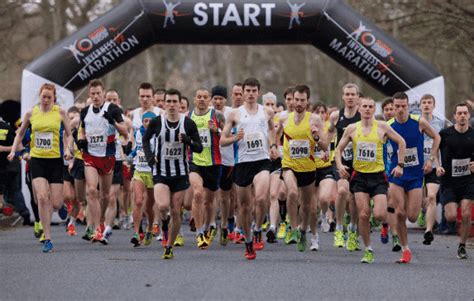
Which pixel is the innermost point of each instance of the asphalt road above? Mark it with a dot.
(79, 270)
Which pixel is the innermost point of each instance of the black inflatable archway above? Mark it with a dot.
(330, 25)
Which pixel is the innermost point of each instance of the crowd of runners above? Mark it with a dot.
(238, 167)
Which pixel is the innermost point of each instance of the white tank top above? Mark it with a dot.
(137, 117)
(97, 130)
(254, 146)
(227, 152)
(140, 161)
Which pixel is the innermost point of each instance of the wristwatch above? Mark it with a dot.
(401, 164)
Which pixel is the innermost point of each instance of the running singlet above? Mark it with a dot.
(457, 151)
(368, 150)
(254, 146)
(227, 152)
(46, 133)
(318, 154)
(211, 153)
(100, 134)
(410, 131)
(298, 145)
(438, 125)
(137, 121)
(139, 161)
(341, 125)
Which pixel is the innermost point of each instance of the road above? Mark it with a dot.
(79, 270)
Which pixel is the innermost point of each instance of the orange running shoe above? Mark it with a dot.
(250, 252)
(156, 230)
(258, 241)
(97, 235)
(165, 238)
(231, 236)
(406, 257)
(102, 227)
(71, 230)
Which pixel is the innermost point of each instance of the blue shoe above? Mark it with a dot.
(62, 212)
(47, 246)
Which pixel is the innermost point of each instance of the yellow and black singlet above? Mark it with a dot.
(298, 145)
(46, 133)
(368, 150)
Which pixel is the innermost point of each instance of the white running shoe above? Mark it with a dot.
(325, 225)
(314, 243)
(159, 237)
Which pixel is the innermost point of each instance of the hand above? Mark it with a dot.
(274, 153)
(315, 131)
(109, 117)
(183, 138)
(11, 156)
(343, 171)
(67, 154)
(213, 126)
(397, 172)
(152, 162)
(240, 135)
(440, 171)
(471, 166)
(26, 157)
(325, 157)
(428, 166)
(127, 149)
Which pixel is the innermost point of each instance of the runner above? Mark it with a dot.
(302, 130)
(368, 180)
(427, 105)
(205, 166)
(457, 173)
(339, 121)
(174, 132)
(255, 133)
(99, 122)
(406, 191)
(159, 98)
(50, 131)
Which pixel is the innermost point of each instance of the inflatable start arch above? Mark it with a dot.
(134, 25)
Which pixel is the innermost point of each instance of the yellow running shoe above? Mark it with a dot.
(42, 238)
(281, 231)
(201, 242)
(168, 253)
(179, 242)
(148, 238)
(38, 229)
(265, 226)
(352, 241)
(212, 234)
(339, 239)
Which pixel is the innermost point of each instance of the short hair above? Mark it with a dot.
(386, 102)
(351, 85)
(173, 91)
(160, 91)
(302, 89)
(96, 83)
(287, 91)
(251, 82)
(320, 104)
(428, 96)
(185, 99)
(400, 95)
(112, 90)
(73, 109)
(462, 104)
(238, 84)
(368, 98)
(146, 86)
(281, 104)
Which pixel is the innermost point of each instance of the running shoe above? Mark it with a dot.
(421, 219)
(148, 238)
(368, 257)
(71, 230)
(127, 225)
(325, 225)
(156, 230)
(332, 226)
(168, 253)
(396, 246)
(42, 238)
(231, 235)
(106, 237)
(38, 229)
(223, 238)
(347, 219)
(352, 241)
(339, 239)
(97, 236)
(271, 238)
(301, 244)
(265, 225)
(135, 240)
(212, 234)
(88, 235)
(292, 237)
(116, 225)
(250, 252)
(462, 252)
(258, 242)
(164, 241)
(201, 242)
(159, 237)
(281, 234)
(384, 234)
(62, 212)
(406, 257)
(428, 238)
(179, 241)
(314, 243)
(47, 246)
(239, 238)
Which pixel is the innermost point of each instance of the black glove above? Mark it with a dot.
(152, 162)
(74, 134)
(185, 139)
(109, 117)
(82, 144)
(127, 149)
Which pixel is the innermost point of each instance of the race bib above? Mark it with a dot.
(460, 167)
(205, 136)
(141, 159)
(427, 146)
(411, 157)
(389, 152)
(366, 152)
(347, 153)
(299, 149)
(172, 150)
(254, 142)
(44, 140)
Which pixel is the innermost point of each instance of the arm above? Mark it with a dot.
(67, 134)
(227, 138)
(271, 127)
(332, 123)
(153, 128)
(394, 136)
(431, 132)
(191, 137)
(346, 138)
(280, 127)
(317, 129)
(19, 135)
(215, 128)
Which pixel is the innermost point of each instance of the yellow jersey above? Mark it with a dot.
(46, 133)
(368, 150)
(298, 145)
